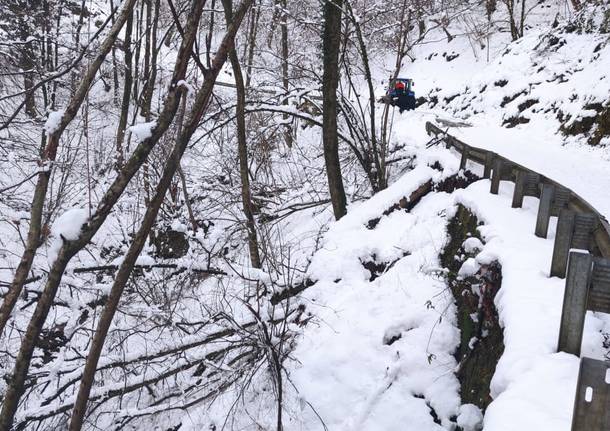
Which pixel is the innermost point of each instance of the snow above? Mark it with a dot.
(378, 352)
(69, 224)
(468, 268)
(188, 87)
(541, 149)
(66, 227)
(53, 122)
(472, 244)
(470, 418)
(143, 131)
(360, 380)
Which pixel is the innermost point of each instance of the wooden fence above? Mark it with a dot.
(581, 255)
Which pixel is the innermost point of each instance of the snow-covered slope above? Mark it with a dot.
(541, 101)
(348, 376)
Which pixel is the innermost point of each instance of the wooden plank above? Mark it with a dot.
(496, 176)
(584, 225)
(544, 210)
(599, 292)
(464, 159)
(532, 184)
(563, 241)
(575, 302)
(489, 160)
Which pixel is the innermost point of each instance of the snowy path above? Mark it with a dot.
(583, 169)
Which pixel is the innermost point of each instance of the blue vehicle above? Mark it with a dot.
(400, 93)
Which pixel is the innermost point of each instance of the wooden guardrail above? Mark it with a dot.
(581, 251)
(509, 170)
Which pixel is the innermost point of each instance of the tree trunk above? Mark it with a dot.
(330, 80)
(378, 156)
(242, 147)
(256, 13)
(127, 83)
(284, 30)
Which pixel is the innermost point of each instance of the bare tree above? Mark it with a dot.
(242, 147)
(70, 248)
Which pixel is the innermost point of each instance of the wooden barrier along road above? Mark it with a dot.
(581, 255)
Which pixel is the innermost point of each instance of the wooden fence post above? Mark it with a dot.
(519, 190)
(489, 160)
(584, 225)
(526, 184)
(544, 210)
(496, 176)
(563, 241)
(592, 403)
(464, 158)
(575, 299)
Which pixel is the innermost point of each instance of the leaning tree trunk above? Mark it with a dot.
(330, 45)
(138, 243)
(69, 249)
(242, 148)
(45, 165)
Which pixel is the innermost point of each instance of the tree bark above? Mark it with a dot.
(288, 138)
(256, 13)
(378, 154)
(172, 164)
(330, 79)
(127, 83)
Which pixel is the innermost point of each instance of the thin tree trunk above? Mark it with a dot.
(150, 67)
(115, 72)
(284, 30)
(27, 65)
(124, 272)
(187, 202)
(256, 12)
(378, 156)
(48, 157)
(242, 148)
(208, 37)
(330, 45)
(127, 83)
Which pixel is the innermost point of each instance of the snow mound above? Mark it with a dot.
(53, 122)
(67, 227)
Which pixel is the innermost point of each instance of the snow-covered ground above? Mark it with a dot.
(378, 353)
(349, 379)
